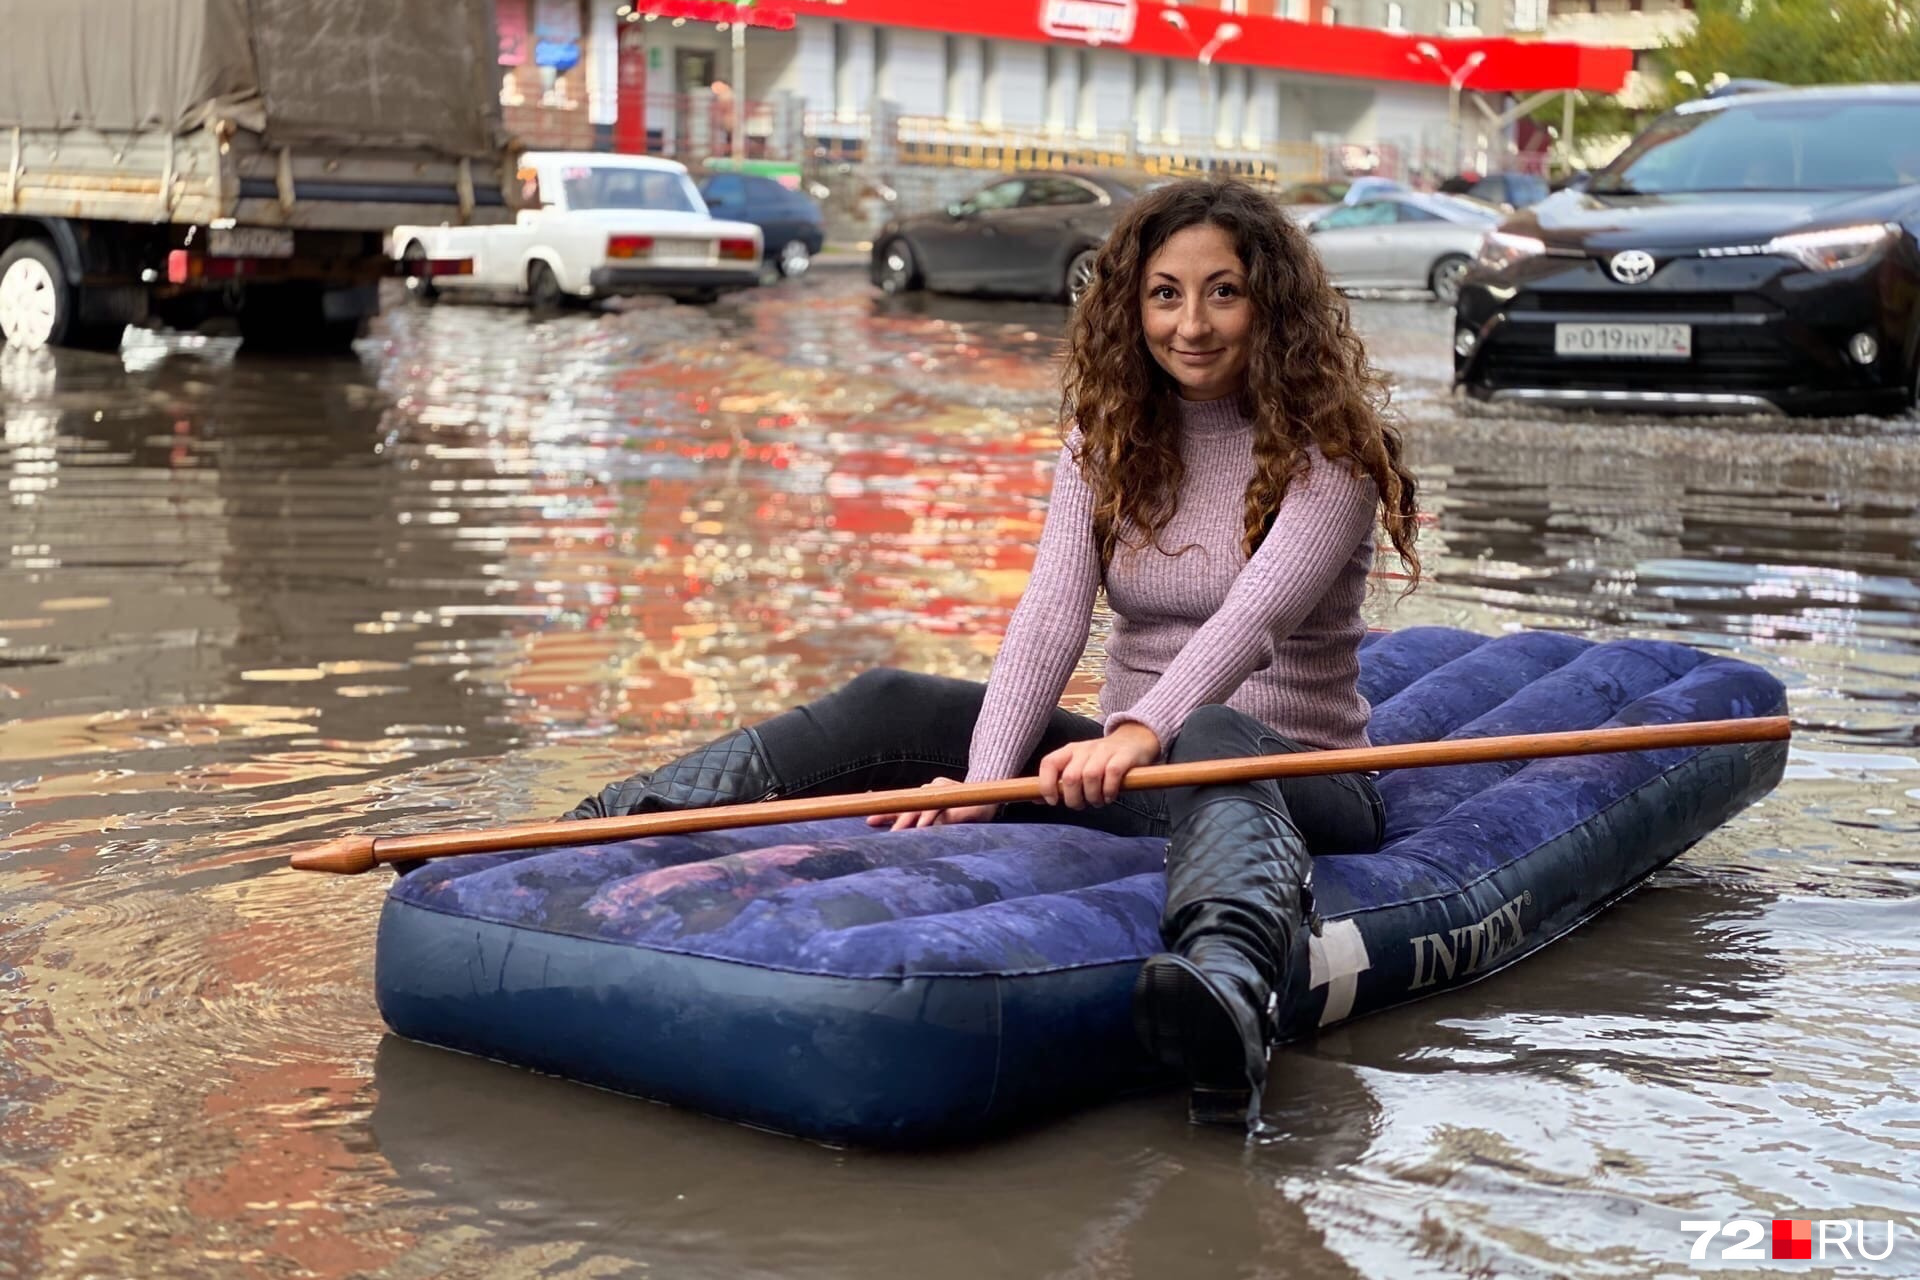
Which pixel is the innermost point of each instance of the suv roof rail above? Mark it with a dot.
(1732, 87)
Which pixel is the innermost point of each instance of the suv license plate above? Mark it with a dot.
(1624, 341)
(250, 242)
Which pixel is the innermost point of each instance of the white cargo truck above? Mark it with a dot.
(174, 161)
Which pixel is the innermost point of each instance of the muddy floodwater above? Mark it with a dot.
(494, 561)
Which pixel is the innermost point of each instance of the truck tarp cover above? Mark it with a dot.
(399, 73)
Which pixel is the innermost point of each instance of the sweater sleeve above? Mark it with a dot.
(1325, 514)
(1046, 634)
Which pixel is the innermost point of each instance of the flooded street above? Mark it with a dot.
(495, 561)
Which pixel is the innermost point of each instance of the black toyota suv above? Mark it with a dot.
(1757, 252)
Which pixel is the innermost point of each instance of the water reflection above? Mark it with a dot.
(219, 555)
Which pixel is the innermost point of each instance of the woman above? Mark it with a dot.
(1223, 476)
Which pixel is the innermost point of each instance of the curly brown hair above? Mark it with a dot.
(1307, 382)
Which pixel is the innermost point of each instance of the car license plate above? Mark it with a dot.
(250, 242)
(685, 252)
(1624, 341)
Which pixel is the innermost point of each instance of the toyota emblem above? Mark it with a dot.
(1635, 266)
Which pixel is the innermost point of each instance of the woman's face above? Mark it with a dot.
(1196, 314)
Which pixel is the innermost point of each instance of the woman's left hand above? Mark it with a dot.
(936, 817)
(1089, 773)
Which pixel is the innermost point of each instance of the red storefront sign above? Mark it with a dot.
(1096, 22)
(510, 19)
(1363, 53)
(717, 11)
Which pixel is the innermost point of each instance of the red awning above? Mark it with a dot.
(717, 11)
(1509, 65)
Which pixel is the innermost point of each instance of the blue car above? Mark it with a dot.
(790, 221)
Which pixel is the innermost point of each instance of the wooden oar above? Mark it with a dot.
(351, 855)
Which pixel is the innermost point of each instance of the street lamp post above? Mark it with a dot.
(739, 87)
(1456, 77)
(1224, 34)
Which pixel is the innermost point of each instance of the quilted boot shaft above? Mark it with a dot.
(733, 770)
(1238, 889)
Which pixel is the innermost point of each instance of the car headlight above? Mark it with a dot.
(1834, 248)
(1502, 249)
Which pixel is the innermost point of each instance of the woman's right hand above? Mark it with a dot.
(936, 817)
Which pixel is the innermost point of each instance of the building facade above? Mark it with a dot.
(1284, 88)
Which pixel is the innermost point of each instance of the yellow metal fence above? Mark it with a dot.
(918, 140)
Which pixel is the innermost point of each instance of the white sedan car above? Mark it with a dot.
(1403, 240)
(597, 225)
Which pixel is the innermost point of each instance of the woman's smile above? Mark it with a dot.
(1195, 314)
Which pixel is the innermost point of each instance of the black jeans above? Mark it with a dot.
(888, 728)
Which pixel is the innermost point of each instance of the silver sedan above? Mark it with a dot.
(1403, 240)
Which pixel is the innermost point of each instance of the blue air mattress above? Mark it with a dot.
(874, 988)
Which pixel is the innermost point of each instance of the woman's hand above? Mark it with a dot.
(936, 817)
(1084, 773)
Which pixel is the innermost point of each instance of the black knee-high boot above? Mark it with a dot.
(733, 770)
(1238, 891)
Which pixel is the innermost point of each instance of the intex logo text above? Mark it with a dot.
(1793, 1238)
(1472, 947)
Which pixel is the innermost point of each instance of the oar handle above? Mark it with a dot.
(354, 854)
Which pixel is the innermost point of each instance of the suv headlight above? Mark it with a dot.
(1835, 248)
(1502, 249)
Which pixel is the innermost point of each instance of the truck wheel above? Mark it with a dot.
(419, 288)
(38, 308)
(543, 287)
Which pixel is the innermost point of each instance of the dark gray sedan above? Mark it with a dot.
(1029, 235)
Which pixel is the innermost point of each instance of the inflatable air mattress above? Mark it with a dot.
(877, 988)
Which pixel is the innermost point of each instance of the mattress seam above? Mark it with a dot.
(1491, 872)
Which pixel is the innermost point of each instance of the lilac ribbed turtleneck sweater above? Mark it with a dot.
(1277, 636)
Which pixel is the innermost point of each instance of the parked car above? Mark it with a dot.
(1754, 251)
(1402, 240)
(790, 222)
(1306, 201)
(598, 225)
(1031, 235)
(1507, 190)
(1313, 194)
(1369, 187)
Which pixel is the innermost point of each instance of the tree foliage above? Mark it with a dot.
(1791, 41)
(1799, 42)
